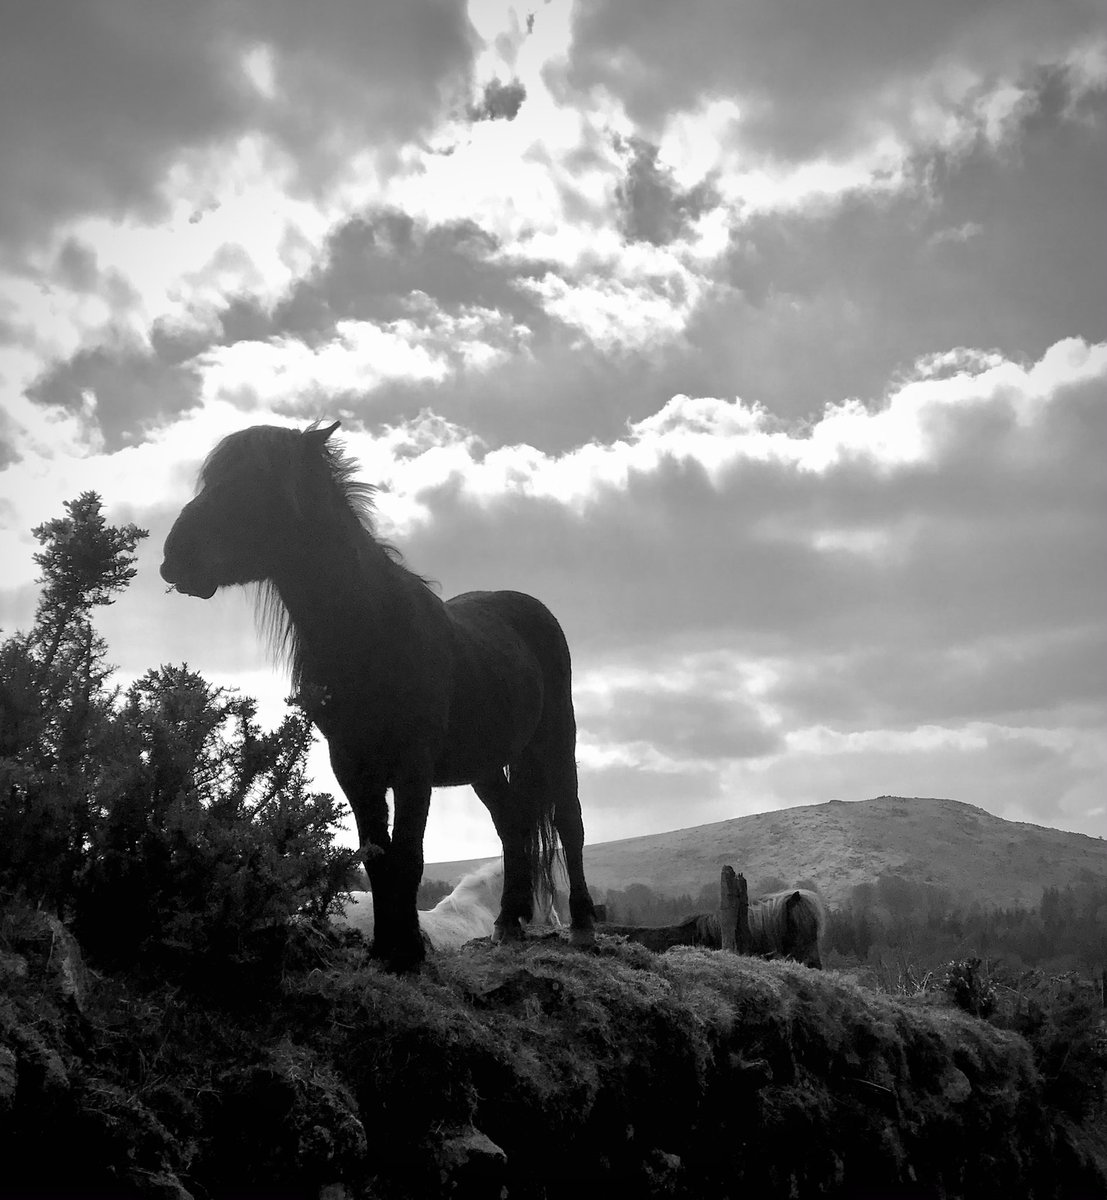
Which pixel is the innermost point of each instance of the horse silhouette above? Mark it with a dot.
(410, 691)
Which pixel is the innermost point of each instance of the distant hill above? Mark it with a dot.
(974, 854)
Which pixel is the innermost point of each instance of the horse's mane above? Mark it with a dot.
(281, 449)
(472, 883)
(769, 917)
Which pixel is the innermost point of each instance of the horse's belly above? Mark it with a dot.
(491, 722)
(462, 765)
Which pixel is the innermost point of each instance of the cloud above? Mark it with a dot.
(654, 207)
(124, 387)
(956, 523)
(693, 721)
(658, 800)
(1031, 680)
(373, 263)
(820, 81)
(982, 250)
(100, 106)
(499, 101)
(1045, 775)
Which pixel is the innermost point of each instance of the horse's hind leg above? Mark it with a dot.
(570, 829)
(514, 819)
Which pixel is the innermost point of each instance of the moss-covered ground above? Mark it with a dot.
(538, 1071)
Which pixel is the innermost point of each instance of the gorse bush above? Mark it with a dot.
(164, 824)
(1063, 1019)
(56, 712)
(969, 986)
(210, 841)
(1060, 1016)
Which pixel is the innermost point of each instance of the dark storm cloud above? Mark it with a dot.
(809, 78)
(560, 390)
(556, 391)
(685, 723)
(983, 679)
(990, 250)
(989, 543)
(100, 98)
(375, 264)
(499, 101)
(633, 567)
(97, 99)
(654, 208)
(815, 306)
(135, 389)
(378, 267)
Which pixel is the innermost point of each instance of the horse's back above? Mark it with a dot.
(486, 615)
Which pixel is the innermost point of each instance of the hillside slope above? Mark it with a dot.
(977, 856)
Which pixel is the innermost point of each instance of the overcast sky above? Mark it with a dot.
(765, 342)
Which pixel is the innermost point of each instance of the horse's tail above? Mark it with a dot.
(534, 784)
(541, 843)
(550, 766)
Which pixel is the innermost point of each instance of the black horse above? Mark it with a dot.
(410, 691)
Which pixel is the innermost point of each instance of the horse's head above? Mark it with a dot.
(236, 527)
(482, 888)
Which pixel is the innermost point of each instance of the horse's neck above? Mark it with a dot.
(345, 600)
(469, 900)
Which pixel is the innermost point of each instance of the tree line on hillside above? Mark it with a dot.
(160, 821)
(1065, 931)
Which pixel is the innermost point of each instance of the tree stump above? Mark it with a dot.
(734, 919)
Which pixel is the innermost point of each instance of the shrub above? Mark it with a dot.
(165, 825)
(969, 986)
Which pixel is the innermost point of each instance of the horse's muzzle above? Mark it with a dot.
(197, 585)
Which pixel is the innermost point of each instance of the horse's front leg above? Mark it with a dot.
(366, 791)
(402, 947)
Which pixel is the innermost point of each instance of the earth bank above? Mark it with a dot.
(538, 1072)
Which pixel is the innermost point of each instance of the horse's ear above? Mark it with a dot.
(319, 436)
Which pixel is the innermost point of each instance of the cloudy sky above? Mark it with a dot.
(765, 342)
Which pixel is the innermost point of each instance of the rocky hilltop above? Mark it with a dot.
(975, 855)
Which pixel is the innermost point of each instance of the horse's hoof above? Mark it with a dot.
(512, 931)
(399, 962)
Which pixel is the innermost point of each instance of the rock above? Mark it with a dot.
(471, 1165)
(662, 1173)
(47, 950)
(9, 1079)
(956, 1086)
(66, 965)
(527, 988)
